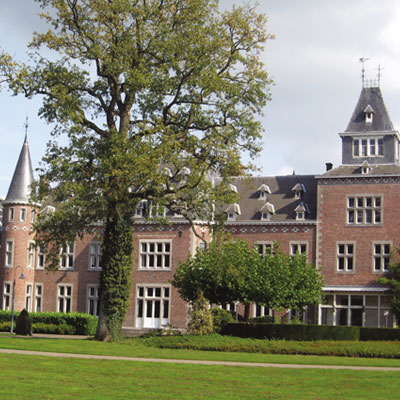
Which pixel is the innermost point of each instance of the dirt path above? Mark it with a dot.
(198, 362)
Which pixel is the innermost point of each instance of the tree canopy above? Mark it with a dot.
(143, 90)
(229, 271)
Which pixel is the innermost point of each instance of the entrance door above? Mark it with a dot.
(152, 307)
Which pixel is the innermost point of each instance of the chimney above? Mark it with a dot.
(329, 166)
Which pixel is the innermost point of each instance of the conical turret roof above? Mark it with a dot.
(19, 191)
(370, 100)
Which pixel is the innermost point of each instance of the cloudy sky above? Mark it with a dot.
(314, 61)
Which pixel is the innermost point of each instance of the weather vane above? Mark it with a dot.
(362, 60)
(26, 125)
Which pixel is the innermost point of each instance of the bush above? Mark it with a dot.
(220, 318)
(200, 322)
(379, 334)
(62, 329)
(5, 326)
(23, 324)
(264, 320)
(292, 332)
(83, 324)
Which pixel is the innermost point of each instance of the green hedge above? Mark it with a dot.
(77, 323)
(309, 332)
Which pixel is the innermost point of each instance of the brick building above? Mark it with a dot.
(344, 220)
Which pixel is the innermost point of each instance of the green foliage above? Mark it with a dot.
(200, 317)
(220, 318)
(23, 324)
(137, 87)
(82, 324)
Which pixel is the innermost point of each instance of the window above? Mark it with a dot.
(11, 214)
(40, 257)
(38, 297)
(95, 255)
(31, 254)
(22, 216)
(261, 311)
(366, 147)
(152, 306)
(6, 295)
(64, 298)
(93, 299)
(298, 248)
(345, 257)
(364, 210)
(382, 256)
(264, 247)
(33, 216)
(155, 254)
(9, 253)
(28, 297)
(67, 256)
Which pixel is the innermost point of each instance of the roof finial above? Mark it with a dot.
(26, 126)
(379, 74)
(362, 60)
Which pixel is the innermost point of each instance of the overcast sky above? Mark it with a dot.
(314, 62)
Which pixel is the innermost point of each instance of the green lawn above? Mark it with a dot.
(35, 377)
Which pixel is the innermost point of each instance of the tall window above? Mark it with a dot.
(67, 256)
(365, 147)
(64, 298)
(40, 257)
(38, 297)
(345, 257)
(382, 256)
(33, 216)
(95, 255)
(93, 300)
(11, 214)
(22, 215)
(28, 297)
(155, 254)
(9, 253)
(364, 210)
(298, 248)
(6, 295)
(152, 306)
(31, 254)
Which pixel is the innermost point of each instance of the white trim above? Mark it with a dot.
(355, 289)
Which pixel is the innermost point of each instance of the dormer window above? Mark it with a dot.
(140, 211)
(232, 188)
(266, 211)
(233, 211)
(298, 190)
(365, 168)
(369, 114)
(301, 210)
(263, 191)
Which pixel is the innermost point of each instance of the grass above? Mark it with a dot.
(198, 348)
(35, 377)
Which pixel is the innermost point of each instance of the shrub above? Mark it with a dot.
(264, 320)
(23, 324)
(379, 334)
(62, 329)
(220, 318)
(5, 326)
(201, 322)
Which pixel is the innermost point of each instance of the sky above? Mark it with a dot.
(313, 61)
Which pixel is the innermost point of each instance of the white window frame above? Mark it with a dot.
(38, 297)
(67, 257)
(11, 214)
(346, 256)
(263, 247)
(151, 257)
(368, 147)
(31, 254)
(9, 260)
(22, 214)
(298, 248)
(7, 285)
(28, 296)
(95, 255)
(33, 216)
(92, 299)
(261, 311)
(383, 257)
(64, 298)
(364, 210)
(40, 257)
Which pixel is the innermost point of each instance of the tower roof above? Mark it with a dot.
(370, 100)
(19, 190)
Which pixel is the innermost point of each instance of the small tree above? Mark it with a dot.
(23, 324)
(200, 317)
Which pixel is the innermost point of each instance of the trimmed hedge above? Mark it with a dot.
(67, 323)
(309, 332)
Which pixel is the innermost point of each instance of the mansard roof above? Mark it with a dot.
(370, 99)
(19, 190)
(281, 197)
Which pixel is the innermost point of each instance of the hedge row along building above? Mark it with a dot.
(345, 220)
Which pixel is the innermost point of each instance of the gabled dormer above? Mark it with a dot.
(370, 135)
(263, 191)
(301, 211)
(232, 212)
(266, 211)
(298, 190)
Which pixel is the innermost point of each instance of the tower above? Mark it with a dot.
(17, 246)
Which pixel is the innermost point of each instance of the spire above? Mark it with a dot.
(370, 102)
(19, 191)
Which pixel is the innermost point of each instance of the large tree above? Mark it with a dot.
(145, 91)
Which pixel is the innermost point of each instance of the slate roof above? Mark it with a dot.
(381, 121)
(376, 170)
(281, 197)
(19, 190)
